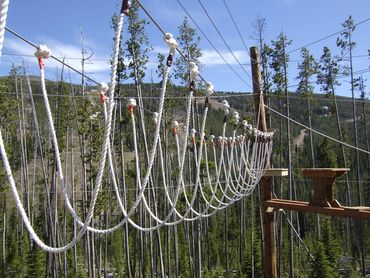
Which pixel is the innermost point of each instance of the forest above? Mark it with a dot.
(227, 244)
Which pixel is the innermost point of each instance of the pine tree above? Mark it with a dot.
(346, 45)
(307, 69)
(327, 78)
(326, 155)
(320, 267)
(331, 245)
(137, 46)
(188, 40)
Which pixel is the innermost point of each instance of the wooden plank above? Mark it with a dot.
(324, 172)
(362, 213)
(276, 172)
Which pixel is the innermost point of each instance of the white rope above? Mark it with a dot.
(4, 5)
(42, 52)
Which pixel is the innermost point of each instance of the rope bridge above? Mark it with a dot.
(240, 158)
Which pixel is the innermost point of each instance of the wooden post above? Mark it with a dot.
(269, 247)
(257, 89)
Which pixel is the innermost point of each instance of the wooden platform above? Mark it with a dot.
(276, 172)
(324, 181)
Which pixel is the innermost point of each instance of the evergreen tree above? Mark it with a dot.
(327, 78)
(307, 69)
(326, 155)
(279, 63)
(137, 46)
(327, 73)
(330, 242)
(188, 40)
(346, 44)
(320, 267)
(260, 27)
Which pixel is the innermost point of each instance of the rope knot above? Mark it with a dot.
(209, 89)
(42, 52)
(231, 140)
(226, 107)
(174, 127)
(236, 117)
(212, 137)
(193, 131)
(245, 124)
(155, 118)
(194, 71)
(131, 105)
(172, 44)
(220, 140)
(103, 89)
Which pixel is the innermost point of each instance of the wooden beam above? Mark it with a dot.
(276, 172)
(357, 212)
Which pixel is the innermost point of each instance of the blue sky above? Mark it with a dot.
(58, 24)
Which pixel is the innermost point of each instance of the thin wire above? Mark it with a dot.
(223, 39)
(178, 50)
(201, 31)
(296, 233)
(62, 62)
(326, 37)
(236, 27)
(319, 98)
(67, 58)
(316, 131)
(135, 97)
(51, 56)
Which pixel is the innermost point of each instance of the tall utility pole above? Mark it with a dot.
(257, 89)
(269, 247)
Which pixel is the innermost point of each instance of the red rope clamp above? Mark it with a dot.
(206, 103)
(169, 60)
(41, 62)
(130, 109)
(103, 97)
(125, 7)
(192, 86)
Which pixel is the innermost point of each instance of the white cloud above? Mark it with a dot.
(211, 57)
(98, 64)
